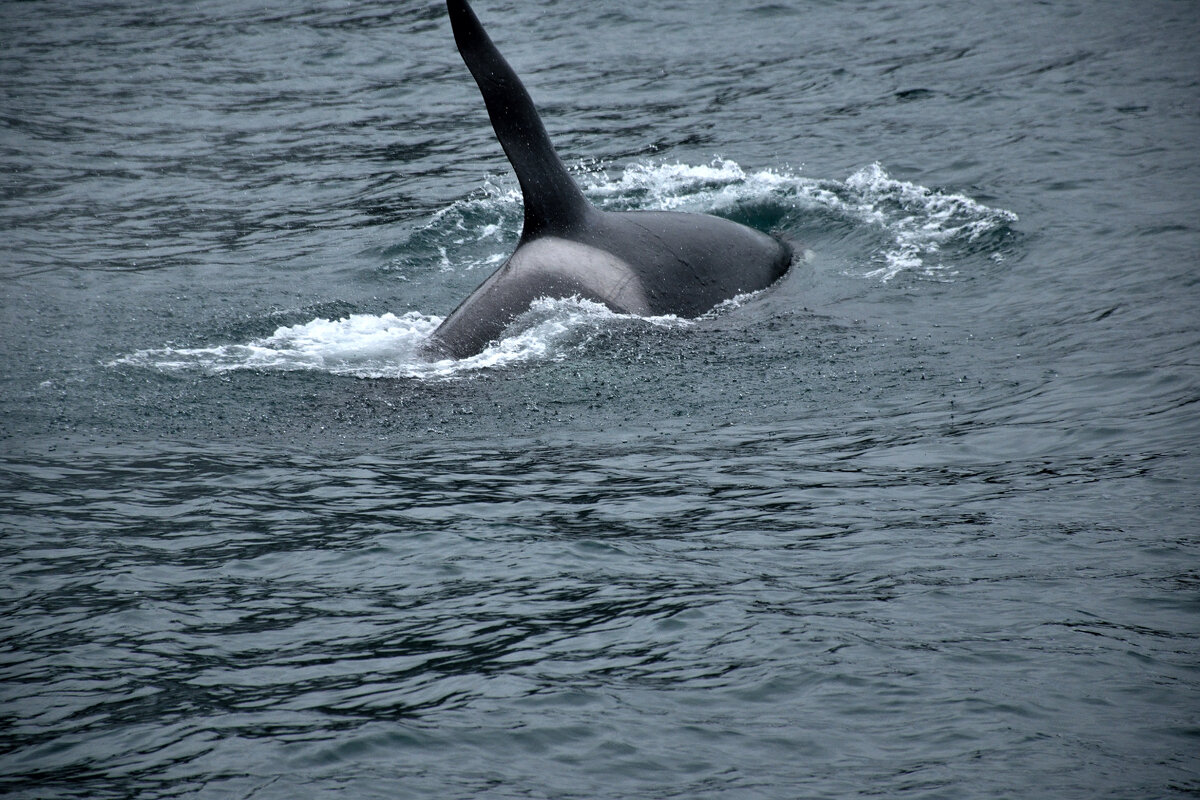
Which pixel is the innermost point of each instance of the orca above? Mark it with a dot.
(639, 262)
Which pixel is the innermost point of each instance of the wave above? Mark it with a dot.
(387, 346)
(915, 226)
(918, 230)
(919, 223)
(916, 223)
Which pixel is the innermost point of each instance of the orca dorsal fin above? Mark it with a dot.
(553, 202)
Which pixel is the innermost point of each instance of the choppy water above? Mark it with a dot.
(918, 520)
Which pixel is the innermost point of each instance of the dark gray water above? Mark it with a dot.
(920, 520)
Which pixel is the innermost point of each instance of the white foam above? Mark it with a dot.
(715, 186)
(361, 344)
(919, 220)
(914, 223)
(387, 346)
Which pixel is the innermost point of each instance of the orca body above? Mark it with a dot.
(639, 262)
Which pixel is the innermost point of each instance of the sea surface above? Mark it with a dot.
(920, 520)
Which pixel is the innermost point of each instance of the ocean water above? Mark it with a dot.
(918, 520)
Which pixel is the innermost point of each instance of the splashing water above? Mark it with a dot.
(918, 221)
(914, 223)
(387, 346)
(360, 344)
